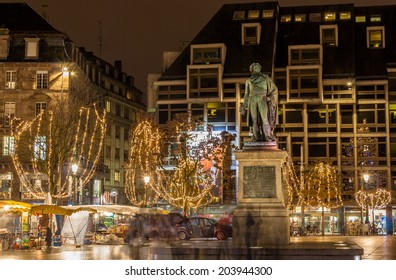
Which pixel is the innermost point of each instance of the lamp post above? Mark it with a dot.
(74, 168)
(366, 178)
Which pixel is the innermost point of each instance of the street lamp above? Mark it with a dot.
(74, 169)
(366, 178)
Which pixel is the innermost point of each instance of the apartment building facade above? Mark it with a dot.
(334, 66)
(38, 62)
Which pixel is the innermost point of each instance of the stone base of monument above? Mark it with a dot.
(200, 249)
(260, 224)
(260, 217)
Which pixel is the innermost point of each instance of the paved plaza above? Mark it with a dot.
(375, 248)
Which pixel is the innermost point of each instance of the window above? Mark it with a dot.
(210, 54)
(8, 145)
(345, 15)
(204, 82)
(172, 92)
(375, 37)
(254, 14)
(304, 82)
(330, 16)
(40, 148)
(40, 106)
(42, 79)
(301, 55)
(286, 18)
(166, 112)
(300, 18)
(239, 15)
(251, 33)
(32, 48)
(10, 79)
(268, 13)
(4, 45)
(329, 35)
(9, 113)
(108, 106)
(360, 18)
(117, 176)
(315, 17)
(375, 18)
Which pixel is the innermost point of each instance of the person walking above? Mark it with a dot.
(48, 237)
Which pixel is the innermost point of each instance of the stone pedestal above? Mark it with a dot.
(261, 217)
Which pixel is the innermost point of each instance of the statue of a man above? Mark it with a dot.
(261, 104)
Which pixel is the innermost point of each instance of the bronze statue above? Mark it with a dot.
(261, 104)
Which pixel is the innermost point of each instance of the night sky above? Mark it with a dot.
(138, 31)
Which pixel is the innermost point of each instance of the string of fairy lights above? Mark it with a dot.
(188, 182)
(48, 151)
(320, 188)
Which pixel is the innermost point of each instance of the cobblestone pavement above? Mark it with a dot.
(375, 248)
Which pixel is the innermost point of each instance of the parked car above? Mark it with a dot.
(202, 227)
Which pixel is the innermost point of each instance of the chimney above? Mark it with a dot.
(44, 8)
(118, 65)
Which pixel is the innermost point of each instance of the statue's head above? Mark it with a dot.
(255, 67)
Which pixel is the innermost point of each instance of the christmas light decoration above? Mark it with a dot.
(322, 188)
(292, 188)
(375, 198)
(50, 143)
(183, 163)
(144, 159)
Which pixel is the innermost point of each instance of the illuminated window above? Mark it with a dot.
(329, 35)
(300, 18)
(10, 79)
(330, 16)
(9, 113)
(40, 148)
(8, 145)
(31, 48)
(286, 18)
(345, 15)
(251, 33)
(40, 106)
(117, 177)
(268, 13)
(42, 80)
(375, 37)
(315, 17)
(239, 15)
(108, 106)
(360, 18)
(375, 18)
(254, 14)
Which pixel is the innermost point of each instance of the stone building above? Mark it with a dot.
(334, 66)
(38, 62)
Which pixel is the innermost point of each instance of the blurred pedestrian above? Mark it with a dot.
(48, 237)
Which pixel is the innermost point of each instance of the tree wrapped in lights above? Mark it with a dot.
(322, 188)
(374, 198)
(292, 188)
(64, 134)
(144, 160)
(187, 167)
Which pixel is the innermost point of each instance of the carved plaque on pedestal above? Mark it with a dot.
(259, 182)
